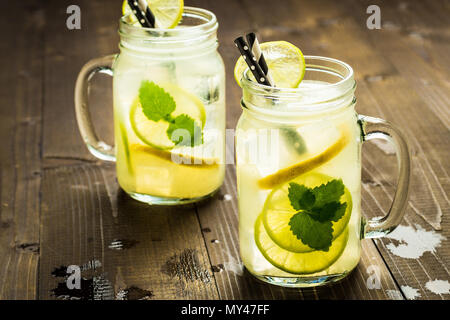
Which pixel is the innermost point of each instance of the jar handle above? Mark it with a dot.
(374, 128)
(97, 147)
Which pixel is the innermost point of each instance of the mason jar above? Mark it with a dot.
(169, 110)
(298, 154)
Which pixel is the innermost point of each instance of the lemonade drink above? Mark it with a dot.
(169, 83)
(300, 220)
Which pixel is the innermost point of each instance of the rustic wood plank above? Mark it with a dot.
(135, 248)
(20, 132)
(424, 26)
(418, 74)
(429, 205)
(66, 51)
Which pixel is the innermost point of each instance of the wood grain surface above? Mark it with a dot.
(60, 206)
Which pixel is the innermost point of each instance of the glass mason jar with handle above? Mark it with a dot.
(298, 154)
(169, 110)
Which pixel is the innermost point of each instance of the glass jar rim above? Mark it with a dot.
(308, 100)
(346, 81)
(201, 30)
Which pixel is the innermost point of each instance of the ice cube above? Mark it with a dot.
(208, 88)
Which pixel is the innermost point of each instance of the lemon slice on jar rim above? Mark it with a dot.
(285, 62)
(168, 13)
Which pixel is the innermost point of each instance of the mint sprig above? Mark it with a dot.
(317, 209)
(184, 131)
(158, 105)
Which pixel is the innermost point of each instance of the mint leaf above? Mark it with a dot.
(318, 235)
(156, 103)
(318, 208)
(184, 131)
(330, 192)
(301, 197)
(339, 213)
(331, 211)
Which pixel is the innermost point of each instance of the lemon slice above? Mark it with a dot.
(310, 162)
(285, 62)
(277, 213)
(185, 159)
(154, 133)
(297, 263)
(155, 173)
(168, 13)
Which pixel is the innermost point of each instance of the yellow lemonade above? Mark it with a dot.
(298, 178)
(169, 111)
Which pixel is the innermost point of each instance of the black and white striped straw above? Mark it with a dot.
(253, 44)
(142, 13)
(251, 61)
(148, 13)
(251, 52)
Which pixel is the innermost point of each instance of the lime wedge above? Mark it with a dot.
(310, 162)
(285, 62)
(154, 133)
(297, 263)
(278, 211)
(168, 13)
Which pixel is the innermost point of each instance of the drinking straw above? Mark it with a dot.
(250, 59)
(148, 13)
(147, 19)
(253, 43)
(141, 15)
(252, 54)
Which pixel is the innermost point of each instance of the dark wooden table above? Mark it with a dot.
(60, 206)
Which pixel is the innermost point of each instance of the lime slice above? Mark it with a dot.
(154, 133)
(297, 263)
(278, 211)
(285, 62)
(168, 13)
(310, 162)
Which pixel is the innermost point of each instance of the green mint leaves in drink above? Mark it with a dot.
(187, 128)
(317, 209)
(158, 105)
